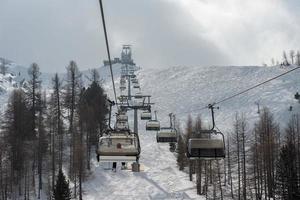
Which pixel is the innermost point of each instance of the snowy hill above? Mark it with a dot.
(7, 84)
(181, 90)
(184, 90)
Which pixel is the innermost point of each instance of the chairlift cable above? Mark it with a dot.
(255, 86)
(107, 48)
(244, 91)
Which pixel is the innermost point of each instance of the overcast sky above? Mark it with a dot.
(163, 32)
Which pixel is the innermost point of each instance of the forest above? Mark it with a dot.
(262, 162)
(50, 136)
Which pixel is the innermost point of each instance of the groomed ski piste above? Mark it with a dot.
(183, 91)
(159, 177)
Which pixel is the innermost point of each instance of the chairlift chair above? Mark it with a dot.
(118, 147)
(134, 80)
(136, 86)
(166, 135)
(152, 125)
(146, 115)
(122, 80)
(206, 148)
(122, 118)
(138, 95)
(131, 72)
(203, 146)
(137, 102)
(122, 87)
(122, 125)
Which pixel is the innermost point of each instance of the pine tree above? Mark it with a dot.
(197, 129)
(265, 153)
(92, 112)
(188, 135)
(17, 138)
(298, 58)
(287, 177)
(33, 94)
(71, 99)
(285, 59)
(287, 186)
(292, 55)
(61, 190)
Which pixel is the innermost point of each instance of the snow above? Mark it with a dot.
(160, 178)
(184, 90)
(181, 90)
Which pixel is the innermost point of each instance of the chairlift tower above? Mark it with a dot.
(128, 66)
(126, 55)
(144, 105)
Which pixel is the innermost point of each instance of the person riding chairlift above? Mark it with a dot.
(114, 167)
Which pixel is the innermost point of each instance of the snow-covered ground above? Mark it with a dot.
(160, 178)
(7, 84)
(184, 90)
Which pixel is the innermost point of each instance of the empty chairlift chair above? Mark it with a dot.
(122, 125)
(117, 146)
(146, 115)
(131, 72)
(122, 87)
(138, 95)
(206, 148)
(122, 118)
(136, 86)
(166, 135)
(152, 125)
(134, 80)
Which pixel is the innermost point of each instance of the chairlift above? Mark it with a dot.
(131, 72)
(122, 81)
(137, 102)
(202, 146)
(152, 125)
(134, 80)
(206, 148)
(138, 95)
(118, 146)
(122, 87)
(122, 117)
(122, 125)
(146, 115)
(166, 135)
(136, 86)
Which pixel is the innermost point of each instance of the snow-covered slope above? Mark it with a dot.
(7, 84)
(185, 90)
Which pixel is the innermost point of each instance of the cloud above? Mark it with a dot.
(162, 32)
(248, 31)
